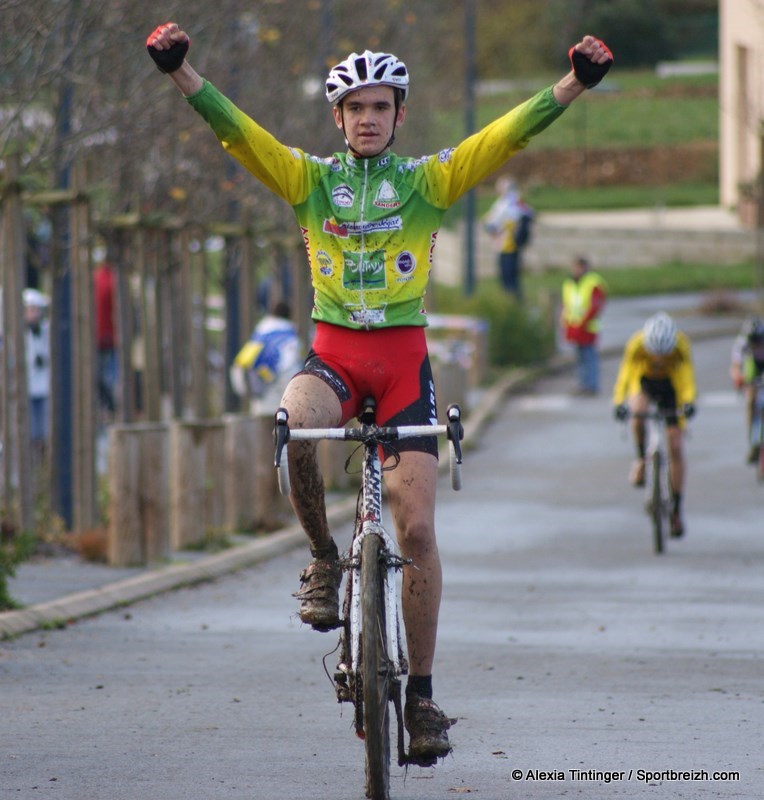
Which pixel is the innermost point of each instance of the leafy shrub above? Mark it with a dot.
(14, 548)
(518, 334)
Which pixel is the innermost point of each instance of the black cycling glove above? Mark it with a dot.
(621, 412)
(168, 60)
(589, 73)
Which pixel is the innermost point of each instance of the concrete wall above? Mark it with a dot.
(555, 244)
(741, 94)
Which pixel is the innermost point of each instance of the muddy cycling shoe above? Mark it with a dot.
(637, 474)
(319, 594)
(676, 526)
(427, 726)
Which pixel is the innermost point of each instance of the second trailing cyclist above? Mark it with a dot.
(746, 367)
(657, 367)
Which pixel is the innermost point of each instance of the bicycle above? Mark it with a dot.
(372, 658)
(658, 502)
(757, 426)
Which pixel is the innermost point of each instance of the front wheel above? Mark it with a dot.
(656, 504)
(376, 670)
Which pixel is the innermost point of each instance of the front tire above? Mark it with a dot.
(657, 505)
(376, 670)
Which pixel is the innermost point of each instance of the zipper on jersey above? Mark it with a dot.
(361, 254)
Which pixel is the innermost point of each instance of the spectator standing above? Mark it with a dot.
(105, 292)
(268, 360)
(583, 300)
(37, 348)
(509, 223)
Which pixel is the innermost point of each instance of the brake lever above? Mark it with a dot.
(455, 429)
(280, 434)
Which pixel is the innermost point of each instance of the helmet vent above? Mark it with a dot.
(360, 68)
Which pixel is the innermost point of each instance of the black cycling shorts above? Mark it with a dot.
(661, 391)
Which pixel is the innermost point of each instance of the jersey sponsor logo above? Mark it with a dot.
(433, 240)
(364, 270)
(386, 197)
(324, 263)
(343, 196)
(432, 404)
(382, 225)
(335, 228)
(405, 263)
(344, 230)
(306, 239)
(366, 315)
(413, 164)
(445, 155)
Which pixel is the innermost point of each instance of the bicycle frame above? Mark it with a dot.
(657, 473)
(383, 684)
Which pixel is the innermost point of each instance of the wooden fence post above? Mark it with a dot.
(197, 478)
(451, 380)
(240, 447)
(150, 321)
(271, 507)
(84, 512)
(18, 505)
(139, 522)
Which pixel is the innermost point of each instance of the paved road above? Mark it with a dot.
(565, 644)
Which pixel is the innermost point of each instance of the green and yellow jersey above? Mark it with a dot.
(370, 225)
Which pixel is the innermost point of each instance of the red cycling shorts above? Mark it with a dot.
(389, 364)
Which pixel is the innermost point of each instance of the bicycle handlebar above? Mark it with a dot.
(453, 430)
(658, 413)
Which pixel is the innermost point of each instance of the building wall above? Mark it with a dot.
(741, 95)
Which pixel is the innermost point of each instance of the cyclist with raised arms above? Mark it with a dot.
(370, 219)
(657, 366)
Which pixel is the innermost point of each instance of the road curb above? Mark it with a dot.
(56, 613)
(67, 609)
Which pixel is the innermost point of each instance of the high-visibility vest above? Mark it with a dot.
(577, 299)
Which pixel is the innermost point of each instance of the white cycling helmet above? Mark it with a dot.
(366, 69)
(660, 334)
